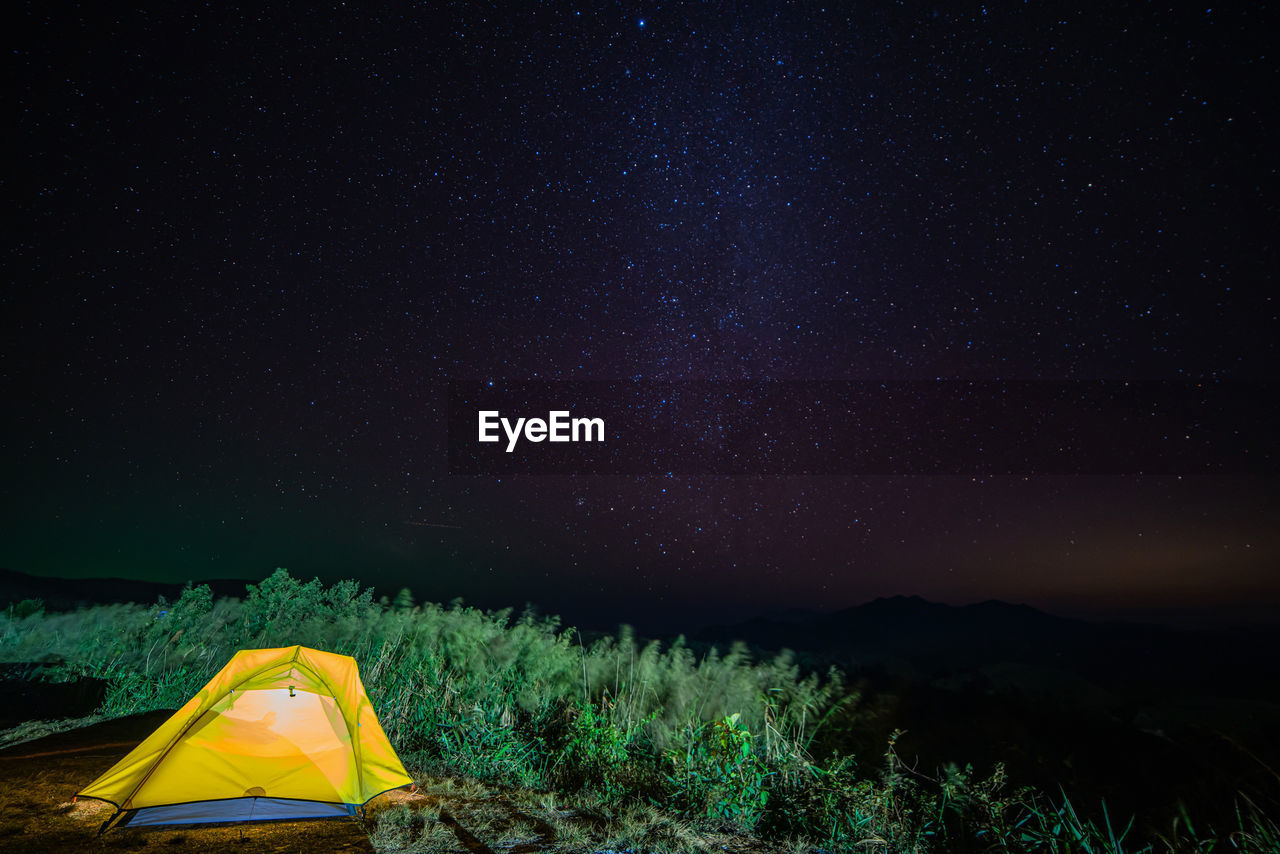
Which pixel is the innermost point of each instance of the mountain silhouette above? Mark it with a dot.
(909, 635)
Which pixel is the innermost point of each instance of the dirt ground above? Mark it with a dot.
(39, 778)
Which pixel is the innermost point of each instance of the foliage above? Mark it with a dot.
(720, 774)
(26, 608)
(598, 751)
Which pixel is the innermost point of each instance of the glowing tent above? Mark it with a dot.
(277, 734)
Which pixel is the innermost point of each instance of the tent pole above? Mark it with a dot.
(106, 825)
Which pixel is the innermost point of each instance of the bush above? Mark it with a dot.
(26, 608)
(720, 774)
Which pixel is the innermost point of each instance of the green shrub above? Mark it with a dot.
(601, 752)
(720, 774)
(26, 608)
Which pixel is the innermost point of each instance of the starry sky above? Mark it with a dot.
(248, 248)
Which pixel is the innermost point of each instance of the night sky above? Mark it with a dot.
(247, 249)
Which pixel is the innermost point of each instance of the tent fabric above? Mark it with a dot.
(233, 810)
(288, 724)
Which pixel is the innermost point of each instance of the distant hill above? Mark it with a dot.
(910, 636)
(65, 594)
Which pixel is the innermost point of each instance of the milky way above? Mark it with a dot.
(248, 249)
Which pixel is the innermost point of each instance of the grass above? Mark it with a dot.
(405, 829)
(619, 745)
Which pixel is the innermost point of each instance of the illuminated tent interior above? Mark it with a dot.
(277, 734)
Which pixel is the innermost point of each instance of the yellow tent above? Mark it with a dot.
(278, 733)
